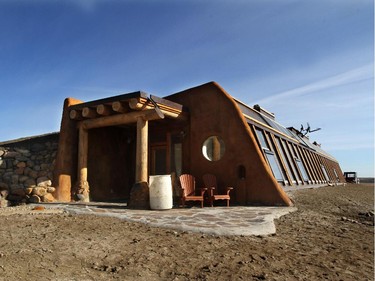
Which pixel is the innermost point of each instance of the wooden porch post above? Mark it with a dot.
(141, 172)
(83, 185)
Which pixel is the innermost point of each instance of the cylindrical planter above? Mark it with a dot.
(161, 197)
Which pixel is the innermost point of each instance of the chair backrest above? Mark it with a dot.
(210, 181)
(188, 184)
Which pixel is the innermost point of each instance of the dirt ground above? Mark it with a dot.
(330, 237)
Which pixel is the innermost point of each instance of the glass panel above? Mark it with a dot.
(213, 148)
(285, 159)
(290, 160)
(273, 149)
(302, 169)
(325, 173)
(261, 138)
(274, 166)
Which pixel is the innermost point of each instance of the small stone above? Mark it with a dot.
(44, 167)
(33, 174)
(14, 179)
(11, 154)
(36, 147)
(3, 186)
(19, 171)
(21, 165)
(23, 179)
(42, 174)
(39, 208)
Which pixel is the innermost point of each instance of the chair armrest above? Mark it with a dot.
(203, 190)
(211, 190)
(229, 189)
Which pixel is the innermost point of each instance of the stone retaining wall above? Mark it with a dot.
(26, 169)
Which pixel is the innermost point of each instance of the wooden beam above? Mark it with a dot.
(136, 104)
(83, 186)
(103, 109)
(119, 107)
(75, 114)
(88, 112)
(141, 172)
(119, 119)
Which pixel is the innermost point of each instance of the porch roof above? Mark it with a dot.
(125, 103)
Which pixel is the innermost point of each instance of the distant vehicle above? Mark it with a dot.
(351, 177)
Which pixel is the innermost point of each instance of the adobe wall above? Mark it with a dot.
(26, 169)
(214, 112)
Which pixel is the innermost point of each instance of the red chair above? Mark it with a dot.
(188, 190)
(211, 184)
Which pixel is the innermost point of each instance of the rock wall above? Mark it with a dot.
(26, 169)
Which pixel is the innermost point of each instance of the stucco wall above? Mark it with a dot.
(213, 112)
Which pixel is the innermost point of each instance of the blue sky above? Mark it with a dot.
(306, 61)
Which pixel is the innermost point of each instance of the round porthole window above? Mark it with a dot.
(213, 148)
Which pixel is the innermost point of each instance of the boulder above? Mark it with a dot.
(48, 197)
(40, 191)
(28, 190)
(51, 189)
(4, 193)
(43, 181)
(19, 191)
(34, 199)
(29, 182)
(140, 196)
(3, 203)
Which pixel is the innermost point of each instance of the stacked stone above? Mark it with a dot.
(26, 172)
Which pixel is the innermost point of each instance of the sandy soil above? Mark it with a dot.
(330, 237)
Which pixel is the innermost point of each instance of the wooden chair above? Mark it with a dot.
(211, 184)
(188, 190)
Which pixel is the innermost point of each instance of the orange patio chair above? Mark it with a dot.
(188, 190)
(211, 184)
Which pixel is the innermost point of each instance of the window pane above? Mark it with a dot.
(285, 159)
(290, 160)
(274, 167)
(302, 169)
(261, 139)
(325, 173)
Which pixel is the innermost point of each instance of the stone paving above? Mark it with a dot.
(237, 220)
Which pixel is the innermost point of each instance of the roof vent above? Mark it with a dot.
(264, 112)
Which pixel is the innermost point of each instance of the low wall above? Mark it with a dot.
(26, 169)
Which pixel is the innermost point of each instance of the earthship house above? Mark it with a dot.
(106, 146)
